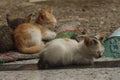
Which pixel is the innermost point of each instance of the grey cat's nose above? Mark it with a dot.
(99, 54)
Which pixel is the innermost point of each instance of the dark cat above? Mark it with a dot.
(13, 22)
(6, 32)
(6, 38)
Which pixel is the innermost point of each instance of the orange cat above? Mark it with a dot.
(28, 36)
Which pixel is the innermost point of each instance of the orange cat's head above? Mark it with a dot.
(46, 17)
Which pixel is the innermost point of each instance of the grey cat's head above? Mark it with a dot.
(94, 45)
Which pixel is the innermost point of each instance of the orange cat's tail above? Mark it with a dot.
(32, 49)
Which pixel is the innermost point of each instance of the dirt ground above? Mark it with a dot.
(94, 15)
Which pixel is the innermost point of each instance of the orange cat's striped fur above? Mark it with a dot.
(28, 36)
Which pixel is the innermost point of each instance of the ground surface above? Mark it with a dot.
(27, 70)
(64, 74)
(94, 15)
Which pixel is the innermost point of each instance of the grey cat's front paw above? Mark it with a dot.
(42, 65)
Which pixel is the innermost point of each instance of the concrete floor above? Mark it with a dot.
(63, 74)
(27, 70)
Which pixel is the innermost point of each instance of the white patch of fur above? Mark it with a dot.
(36, 36)
(58, 50)
(49, 35)
(55, 22)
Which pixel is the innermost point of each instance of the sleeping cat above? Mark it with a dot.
(13, 22)
(60, 52)
(28, 36)
(6, 38)
(6, 32)
(47, 19)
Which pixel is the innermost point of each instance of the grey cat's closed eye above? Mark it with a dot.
(99, 52)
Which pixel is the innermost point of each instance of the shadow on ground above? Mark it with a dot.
(17, 67)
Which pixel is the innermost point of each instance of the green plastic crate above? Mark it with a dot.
(112, 45)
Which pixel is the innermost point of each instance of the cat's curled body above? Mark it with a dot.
(28, 36)
(60, 52)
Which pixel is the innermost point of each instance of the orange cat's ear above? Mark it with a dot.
(87, 41)
(50, 10)
(42, 14)
(101, 36)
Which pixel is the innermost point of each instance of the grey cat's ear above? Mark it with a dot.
(87, 41)
(50, 9)
(90, 41)
(101, 36)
